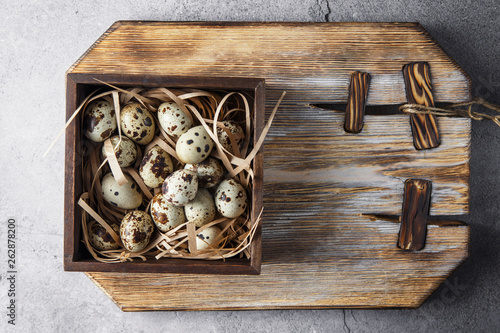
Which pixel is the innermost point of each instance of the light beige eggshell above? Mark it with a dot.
(180, 187)
(235, 130)
(165, 215)
(209, 172)
(136, 229)
(230, 198)
(127, 196)
(156, 165)
(201, 209)
(173, 120)
(207, 237)
(194, 146)
(99, 120)
(100, 238)
(126, 153)
(137, 123)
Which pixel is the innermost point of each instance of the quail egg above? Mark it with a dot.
(99, 120)
(126, 153)
(127, 196)
(209, 172)
(173, 120)
(201, 209)
(156, 165)
(230, 198)
(165, 215)
(136, 230)
(235, 130)
(180, 187)
(100, 238)
(137, 123)
(206, 238)
(194, 146)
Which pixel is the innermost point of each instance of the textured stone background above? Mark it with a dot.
(41, 39)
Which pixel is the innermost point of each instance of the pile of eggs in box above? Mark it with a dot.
(186, 194)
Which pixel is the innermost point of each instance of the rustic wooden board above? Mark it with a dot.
(318, 250)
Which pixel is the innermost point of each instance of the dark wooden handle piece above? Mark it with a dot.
(358, 93)
(419, 91)
(416, 202)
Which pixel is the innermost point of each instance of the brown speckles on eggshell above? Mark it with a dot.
(187, 177)
(209, 172)
(180, 187)
(235, 130)
(191, 148)
(136, 229)
(155, 167)
(173, 120)
(99, 122)
(107, 133)
(127, 198)
(206, 238)
(201, 209)
(100, 238)
(137, 124)
(230, 198)
(165, 215)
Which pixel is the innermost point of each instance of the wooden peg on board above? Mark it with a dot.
(419, 91)
(416, 202)
(355, 111)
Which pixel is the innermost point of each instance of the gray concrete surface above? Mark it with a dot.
(41, 39)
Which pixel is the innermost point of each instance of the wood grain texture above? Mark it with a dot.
(311, 162)
(355, 111)
(318, 250)
(416, 201)
(300, 270)
(419, 91)
(313, 61)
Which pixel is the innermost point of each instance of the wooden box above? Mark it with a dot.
(76, 256)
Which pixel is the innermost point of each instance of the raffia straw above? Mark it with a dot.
(459, 109)
(207, 109)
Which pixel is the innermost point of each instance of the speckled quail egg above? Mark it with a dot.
(194, 146)
(165, 215)
(209, 172)
(207, 237)
(230, 198)
(136, 230)
(235, 130)
(156, 165)
(201, 209)
(173, 120)
(137, 123)
(126, 153)
(99, 120)
(100, 238)
(127, 196)
(180, 187)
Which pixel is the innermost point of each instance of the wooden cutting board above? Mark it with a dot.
(318, 249)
